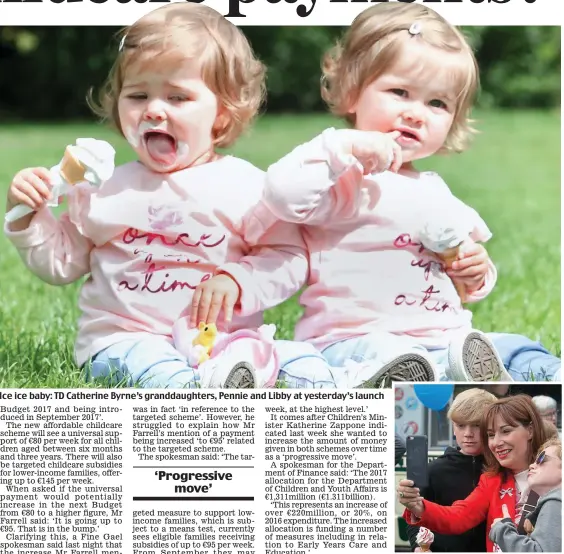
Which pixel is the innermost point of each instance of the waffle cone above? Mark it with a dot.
(425, 547)
(71, 170)
(448, 257)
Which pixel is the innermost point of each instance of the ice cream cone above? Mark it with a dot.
(71, 170)
(89, 160)
(448, 257)
(425, 538)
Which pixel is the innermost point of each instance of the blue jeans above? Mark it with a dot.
(524, 359)
(302, 366)
(150, 362)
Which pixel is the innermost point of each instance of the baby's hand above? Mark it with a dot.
(471, 267)
(30, 187)
(375, 151)
(211, 296)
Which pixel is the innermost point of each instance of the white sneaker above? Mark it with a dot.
(473, 357)
(406, 367)
(240, 376)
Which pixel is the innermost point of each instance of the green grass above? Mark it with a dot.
(511, 176)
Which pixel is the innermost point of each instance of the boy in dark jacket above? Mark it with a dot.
(455, 474)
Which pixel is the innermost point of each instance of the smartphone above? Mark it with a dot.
(416, 460)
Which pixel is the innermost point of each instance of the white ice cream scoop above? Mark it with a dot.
(425, 538)
(444, 233)
(438, 235)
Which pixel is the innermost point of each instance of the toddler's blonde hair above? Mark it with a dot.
(189, 31)
(374, 42)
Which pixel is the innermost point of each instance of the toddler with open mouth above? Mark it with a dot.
(184, 84)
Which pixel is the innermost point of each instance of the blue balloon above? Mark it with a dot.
(434, 397)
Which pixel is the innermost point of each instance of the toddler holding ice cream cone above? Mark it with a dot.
(185, 83)
(394, 255)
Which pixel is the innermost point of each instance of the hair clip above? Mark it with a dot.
(122, 43)
(415, 28)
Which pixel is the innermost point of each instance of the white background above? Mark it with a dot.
(263, 12)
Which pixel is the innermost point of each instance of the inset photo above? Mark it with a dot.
(478, 467)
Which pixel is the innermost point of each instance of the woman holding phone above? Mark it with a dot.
(513, 431)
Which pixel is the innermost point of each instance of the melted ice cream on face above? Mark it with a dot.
(424, 536)
(163, 149)
(135, 136)
(132, 137)
(97, 156)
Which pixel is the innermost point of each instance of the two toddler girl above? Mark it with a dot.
(186, 235)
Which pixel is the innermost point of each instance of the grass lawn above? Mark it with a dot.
(511, 176)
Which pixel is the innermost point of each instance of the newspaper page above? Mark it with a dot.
(202, 471)
(287, 465)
